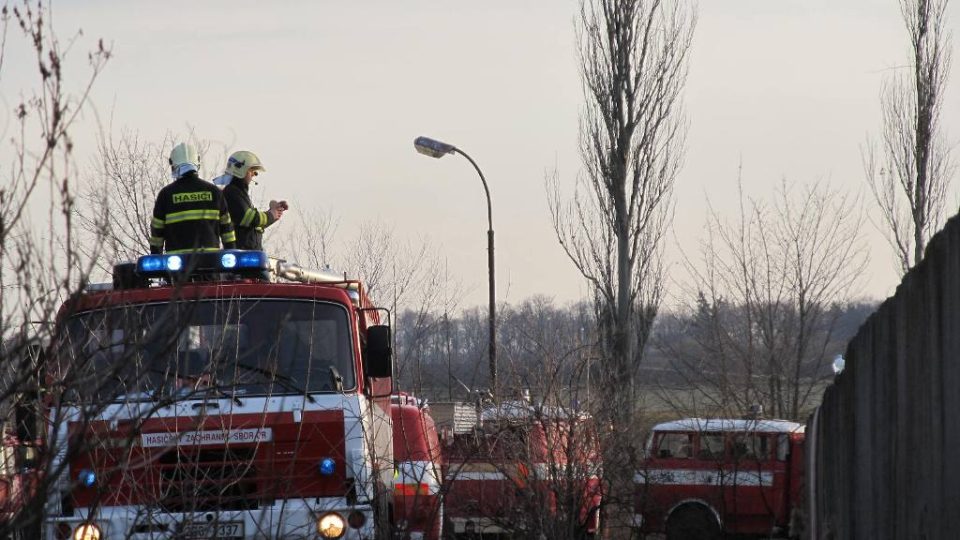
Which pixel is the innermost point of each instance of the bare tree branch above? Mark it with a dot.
(910, 169)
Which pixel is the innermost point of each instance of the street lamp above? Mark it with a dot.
(437, 149)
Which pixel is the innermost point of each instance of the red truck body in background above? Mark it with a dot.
(417, 499)
(18, 476)
(522, 465)
(703, 478)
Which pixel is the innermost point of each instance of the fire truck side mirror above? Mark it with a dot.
(27, 396)
(378, 355)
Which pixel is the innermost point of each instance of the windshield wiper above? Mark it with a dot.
(224, 393)
(283, 380)
(188, 390)
(337, 379)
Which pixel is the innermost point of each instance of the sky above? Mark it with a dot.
(331, 96)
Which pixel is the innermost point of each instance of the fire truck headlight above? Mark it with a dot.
(328, 466)
(87, 478)
(86, 531)
(331, 525)
(228, 260)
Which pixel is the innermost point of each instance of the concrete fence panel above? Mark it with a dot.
(885, 446)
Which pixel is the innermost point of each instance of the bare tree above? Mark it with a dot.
(910, 173)
(765, 301)
(120, 189)
(119, 195)
(40, 264)
(310, 241)
(633, 67)
(403, 275)
(633, 57)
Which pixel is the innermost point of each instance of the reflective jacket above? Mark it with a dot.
(190, 215)
(249, 221)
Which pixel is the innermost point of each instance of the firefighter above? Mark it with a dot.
(190, 214)
(242, 168)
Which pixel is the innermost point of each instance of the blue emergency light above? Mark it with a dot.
(252, 260)
(236, 261)
(328, 466)
(174, 263)
(87, 478)
(151, 263)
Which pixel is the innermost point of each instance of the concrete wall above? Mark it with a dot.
(884, 446)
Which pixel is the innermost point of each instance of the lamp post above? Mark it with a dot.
(437, 149)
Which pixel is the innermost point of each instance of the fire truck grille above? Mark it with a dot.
(203, 480)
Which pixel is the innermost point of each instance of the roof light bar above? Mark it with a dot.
(231, 261)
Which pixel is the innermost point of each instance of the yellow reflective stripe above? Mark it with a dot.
(228, 237)
(248, 217)
(194, 250)
(224, 218)
(192, 215)
(263, 219)
(157, 223)
(156, 241)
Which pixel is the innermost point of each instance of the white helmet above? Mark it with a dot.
(185, 154)
(242, 161)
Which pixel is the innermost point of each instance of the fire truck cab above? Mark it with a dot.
(703, 478)
(220, 395)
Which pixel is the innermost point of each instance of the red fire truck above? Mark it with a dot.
(523, 468)
(18, 478)
(220, 395)
(703, 478)
(418, 506)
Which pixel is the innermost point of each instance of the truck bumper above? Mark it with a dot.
(293, 519)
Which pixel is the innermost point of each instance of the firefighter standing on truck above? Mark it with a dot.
(190, 214)
(242, 168)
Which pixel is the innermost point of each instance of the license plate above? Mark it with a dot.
(223, 530)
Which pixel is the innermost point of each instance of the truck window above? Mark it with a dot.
(245, 347)
(751, 447)
(7, 463)
(783, 447)
(27, 456)
(675, 446)
(711, 446)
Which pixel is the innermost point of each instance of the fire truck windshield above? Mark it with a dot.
(237, 347)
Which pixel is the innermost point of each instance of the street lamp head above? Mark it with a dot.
(432, 148)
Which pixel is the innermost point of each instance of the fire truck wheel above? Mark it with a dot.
(692, 522)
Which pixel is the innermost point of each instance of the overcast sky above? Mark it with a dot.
(332, 94)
